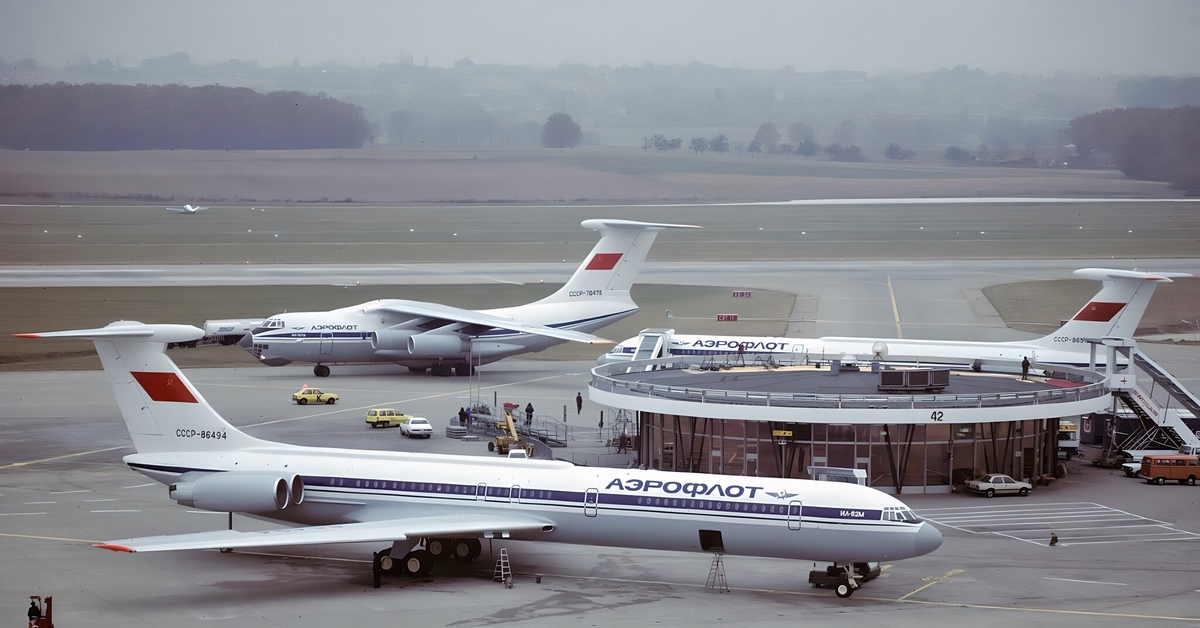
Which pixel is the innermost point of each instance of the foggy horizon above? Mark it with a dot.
(1022, 36)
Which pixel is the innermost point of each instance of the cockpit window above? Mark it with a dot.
(906, 515)
(273, 323)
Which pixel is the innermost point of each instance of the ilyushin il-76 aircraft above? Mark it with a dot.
(428, 506)
(442, 338)
(1114, 312)
(187, 209)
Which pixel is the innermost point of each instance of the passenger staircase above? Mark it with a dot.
(1170, 424)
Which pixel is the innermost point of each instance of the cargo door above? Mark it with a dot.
(326, 342)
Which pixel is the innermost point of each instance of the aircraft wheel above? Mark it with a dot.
(438, 548)
(462, 369)
(388, 564)
(843, 590)
(302, 401)
(418, 563)
(474, 549)
(991, 492)
(1023, 492)
(321, 370)
(461, 549)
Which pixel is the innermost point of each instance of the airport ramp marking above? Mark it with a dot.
(1075, 523)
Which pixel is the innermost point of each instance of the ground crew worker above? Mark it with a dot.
(528, 413)
(1025, 368)
(578, 403)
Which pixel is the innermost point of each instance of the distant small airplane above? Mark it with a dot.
(187, 209)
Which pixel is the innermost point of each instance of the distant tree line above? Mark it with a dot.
(145, 117)
(1145, 143)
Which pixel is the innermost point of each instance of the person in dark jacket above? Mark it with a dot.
(1025, 367)
(528, 413)
(578, 403)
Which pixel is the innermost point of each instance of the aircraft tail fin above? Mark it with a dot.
(611, 268)
(161, 408)
(1115, 311)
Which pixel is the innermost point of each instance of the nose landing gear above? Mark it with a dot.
(844, 579)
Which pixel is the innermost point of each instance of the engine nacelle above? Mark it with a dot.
(438, 345)
(390, 339)
(238, 491)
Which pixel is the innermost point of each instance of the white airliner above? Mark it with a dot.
(187, 209)
(444, 504)
(443, 338)
(1114, 312)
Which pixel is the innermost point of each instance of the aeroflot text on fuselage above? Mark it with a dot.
(686, 488)
(334, 327)
(748, 345)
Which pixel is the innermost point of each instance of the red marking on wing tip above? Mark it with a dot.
(27, 335)
(1099, 311)
(603, 261)
(113, 546)
(164, 387)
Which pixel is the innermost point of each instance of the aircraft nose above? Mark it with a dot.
(928, 539)
(246, 342)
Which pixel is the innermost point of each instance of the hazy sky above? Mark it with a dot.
(1027, 36)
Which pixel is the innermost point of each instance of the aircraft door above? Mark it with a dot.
(514, 494)
(793, 518)
(591, 502)
(326, 342)
(480, 492)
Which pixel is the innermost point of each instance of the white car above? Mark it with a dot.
(993, 484)
(416, 427)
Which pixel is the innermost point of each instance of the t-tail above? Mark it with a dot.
(162, 409)
(1115, 311)
(611, 268)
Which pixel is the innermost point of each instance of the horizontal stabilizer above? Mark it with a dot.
(370, 531)
(127, 330)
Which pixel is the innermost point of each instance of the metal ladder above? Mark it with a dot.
(716, 575)
(503, 572)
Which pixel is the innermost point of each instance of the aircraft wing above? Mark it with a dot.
(470, 525)
(472, 317)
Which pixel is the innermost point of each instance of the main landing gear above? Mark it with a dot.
(446, 369)
(418, 563)
(321, 370)
(844, 579)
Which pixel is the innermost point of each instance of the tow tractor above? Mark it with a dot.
(844, 580)
(508, 436)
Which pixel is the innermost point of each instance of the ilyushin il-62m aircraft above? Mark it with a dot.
(442, 338)
(1114, 312)
(429, 506)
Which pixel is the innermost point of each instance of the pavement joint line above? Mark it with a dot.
(46, 538)
(895, 309)
(13, 465)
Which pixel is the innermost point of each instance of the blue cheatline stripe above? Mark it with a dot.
(741, 510)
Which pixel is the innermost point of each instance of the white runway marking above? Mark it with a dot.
(81, 490)
(1116, 584)
(116, 511)
(1075, 523)
(36, 503)
(15, 514)
(142, 485)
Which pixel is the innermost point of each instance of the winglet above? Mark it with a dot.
(113, 546)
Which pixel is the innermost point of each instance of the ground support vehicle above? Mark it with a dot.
(1159, 469)
(508, 436)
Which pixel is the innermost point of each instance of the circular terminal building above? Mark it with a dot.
(898, 427)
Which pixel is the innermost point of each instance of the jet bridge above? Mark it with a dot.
(653, 343)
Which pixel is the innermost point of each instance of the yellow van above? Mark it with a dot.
(1158, 469)
(386, 417)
